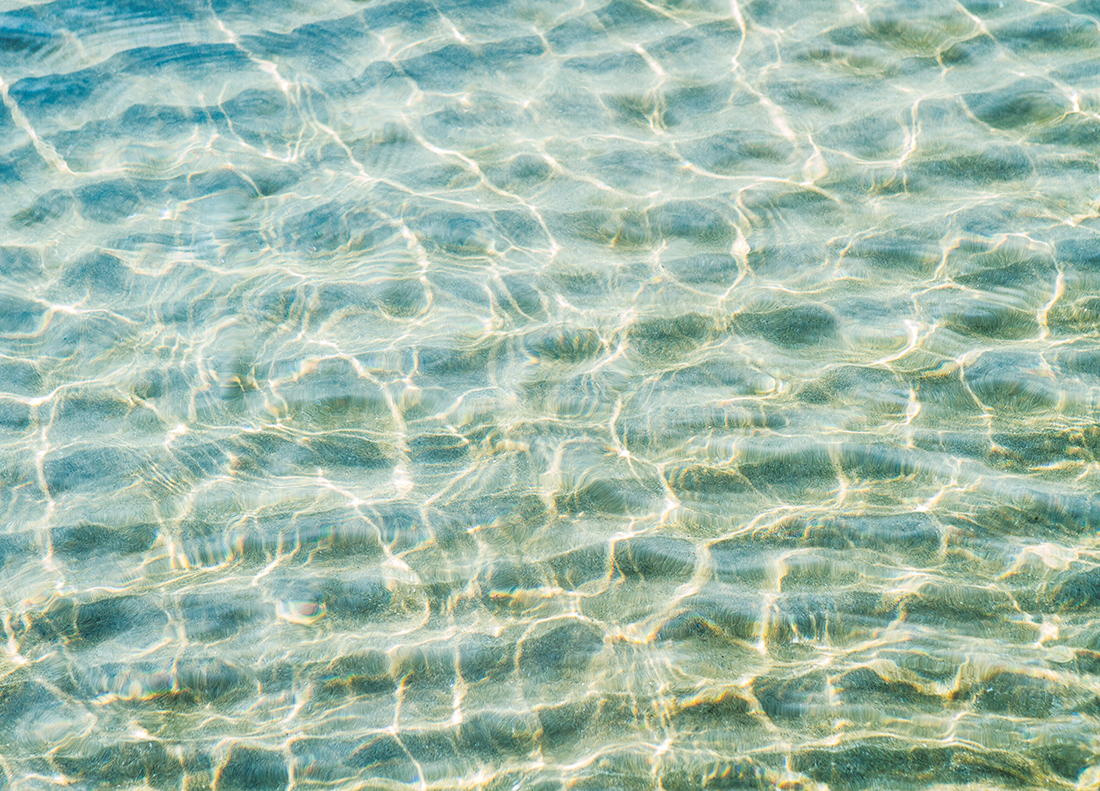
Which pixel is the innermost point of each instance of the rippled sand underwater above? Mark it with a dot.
(522, 396)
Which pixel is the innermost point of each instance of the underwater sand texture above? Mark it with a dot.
(523, 396)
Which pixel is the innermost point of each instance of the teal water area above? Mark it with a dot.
(524, 396)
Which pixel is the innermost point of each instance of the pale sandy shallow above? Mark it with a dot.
(549, 395)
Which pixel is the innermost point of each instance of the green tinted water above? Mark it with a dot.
(503, 395)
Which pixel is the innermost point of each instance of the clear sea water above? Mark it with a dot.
(515, 395)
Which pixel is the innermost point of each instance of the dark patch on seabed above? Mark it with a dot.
(531, 396)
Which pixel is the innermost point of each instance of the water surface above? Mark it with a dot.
(522, 396)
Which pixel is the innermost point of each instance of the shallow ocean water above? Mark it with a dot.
(521, 396)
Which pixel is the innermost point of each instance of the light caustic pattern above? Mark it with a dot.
(520, 395)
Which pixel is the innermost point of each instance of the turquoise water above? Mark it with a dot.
(523, 396)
